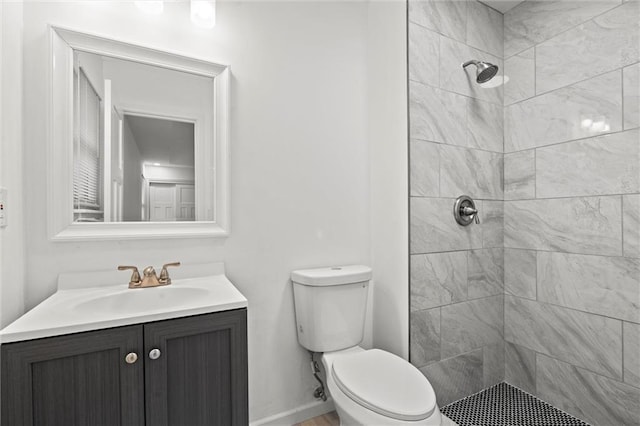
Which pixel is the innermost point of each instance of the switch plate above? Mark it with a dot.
(3, 207)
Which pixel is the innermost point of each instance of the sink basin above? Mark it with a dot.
(140, 300)
(77, 307)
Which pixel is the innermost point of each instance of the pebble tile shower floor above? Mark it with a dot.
(505, 405)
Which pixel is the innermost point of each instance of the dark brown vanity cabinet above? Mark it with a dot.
(79, 379)
(189, 371)
(200, 377)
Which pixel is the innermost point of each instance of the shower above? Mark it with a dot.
(485, 71)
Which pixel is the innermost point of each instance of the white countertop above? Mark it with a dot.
(74, 308)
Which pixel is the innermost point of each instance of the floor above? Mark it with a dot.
(506, 405)
(500, 405)
(331, 419)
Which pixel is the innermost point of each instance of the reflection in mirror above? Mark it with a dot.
(137, 129)
(157, 171)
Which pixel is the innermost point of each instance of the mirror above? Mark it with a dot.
(134, 141)
(139, 141)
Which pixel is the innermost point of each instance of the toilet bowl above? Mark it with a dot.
(374, 387)
(369, 387)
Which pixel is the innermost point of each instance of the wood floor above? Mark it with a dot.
(329, 419)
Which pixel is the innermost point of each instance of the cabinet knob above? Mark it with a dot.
(131, 358)
(154, 353)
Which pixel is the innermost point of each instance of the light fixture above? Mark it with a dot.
(151, 7)
(203, 13)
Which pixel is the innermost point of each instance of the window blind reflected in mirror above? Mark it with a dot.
(87, 199)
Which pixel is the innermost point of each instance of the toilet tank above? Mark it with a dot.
(330, 306)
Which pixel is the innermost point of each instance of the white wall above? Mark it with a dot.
(388, 136)
(300, 194)
(300, 182)
(12, 247)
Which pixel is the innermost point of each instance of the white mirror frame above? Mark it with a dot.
(61, 226)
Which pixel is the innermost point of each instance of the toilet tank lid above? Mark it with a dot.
(335, 275)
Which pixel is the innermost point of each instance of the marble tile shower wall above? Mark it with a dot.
(572, 206)
(456, 148)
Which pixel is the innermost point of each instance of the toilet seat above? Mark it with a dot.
(384, 383)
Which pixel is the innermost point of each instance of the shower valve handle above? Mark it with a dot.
(468, 211)
(465, 211)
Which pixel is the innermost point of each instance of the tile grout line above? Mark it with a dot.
(460, 146)
(622, 225)
(440, 336)
(622, 95)
(439, 170)
(555, 358)
(622, 354)
(535, 173)
(455, 39)
(535, 370)
(568, 29)
(535, 73)
(459, 302)
(545, 302)
(566, 197)
(611, 256)
(439, 60)
(581, 139)
(535, 253)
(584, 80)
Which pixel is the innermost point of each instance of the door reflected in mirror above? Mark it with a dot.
(157, 173)
(140, 151)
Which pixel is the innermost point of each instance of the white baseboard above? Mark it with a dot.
(298, 414)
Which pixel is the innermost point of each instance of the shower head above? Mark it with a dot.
(485, 71)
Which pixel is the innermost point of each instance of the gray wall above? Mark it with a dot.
(571, 230)
(456, 147)
(567, 301)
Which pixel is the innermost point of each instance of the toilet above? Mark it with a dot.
(368, 387)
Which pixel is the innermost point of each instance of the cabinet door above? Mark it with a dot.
(80, 379)
(200, 377)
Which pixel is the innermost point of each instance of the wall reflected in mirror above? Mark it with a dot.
(141, 136)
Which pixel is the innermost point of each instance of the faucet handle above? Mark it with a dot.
(164, 274)
(135, 275)
(148, 271)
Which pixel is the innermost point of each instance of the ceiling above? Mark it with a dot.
(163, 141)
(502, 5)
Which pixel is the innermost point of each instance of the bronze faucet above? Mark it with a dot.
(150, 278)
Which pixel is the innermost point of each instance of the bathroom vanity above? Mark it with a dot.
(86, 357)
